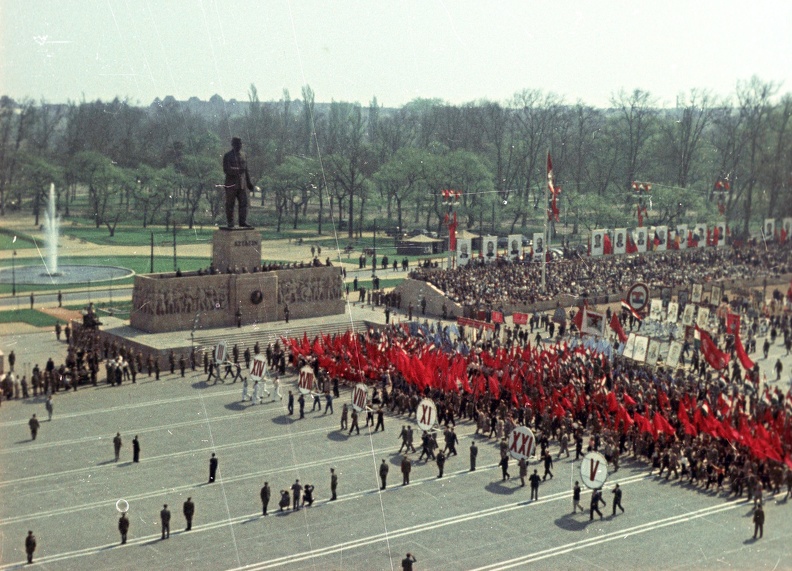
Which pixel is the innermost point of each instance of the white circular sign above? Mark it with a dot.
(522, 443)
(122, 506)
(258, 368)
(307, 382)
(426, 414)
(359, 397)
(638, 296)
(594, 470)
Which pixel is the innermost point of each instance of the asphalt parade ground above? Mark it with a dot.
(65, 486)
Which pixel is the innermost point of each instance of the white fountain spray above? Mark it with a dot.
(52, 227)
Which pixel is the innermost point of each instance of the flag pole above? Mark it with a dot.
(546, 216)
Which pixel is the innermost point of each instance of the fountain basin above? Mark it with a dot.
(66, 274)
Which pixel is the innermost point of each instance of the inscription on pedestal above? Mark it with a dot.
(236, 249)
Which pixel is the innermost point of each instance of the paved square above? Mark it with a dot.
(64, 486)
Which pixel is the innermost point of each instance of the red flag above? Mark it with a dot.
(628, 400)
(745, 360)
(662, 425)
(552, 213)
(607, 247)
(732, 322)
(716, 358)
(452, 226)
(613, 404)
(631, 247)
(578, 319)
(691, 243)
(629, 308)
(615, 324)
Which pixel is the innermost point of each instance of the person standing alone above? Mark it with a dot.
(165, 516)
(189, 512)
(212, 468)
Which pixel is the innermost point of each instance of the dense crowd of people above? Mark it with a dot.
(718, 432)
(505, 281)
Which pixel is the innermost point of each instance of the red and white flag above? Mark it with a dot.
(552, 213)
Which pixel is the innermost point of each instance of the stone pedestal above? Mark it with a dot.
(236, 248)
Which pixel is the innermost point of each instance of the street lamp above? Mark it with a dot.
(13, 273)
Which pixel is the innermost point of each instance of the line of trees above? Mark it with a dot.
(348, 165)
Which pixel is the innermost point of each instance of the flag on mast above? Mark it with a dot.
(552, 214)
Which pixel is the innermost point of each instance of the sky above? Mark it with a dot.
(396, 51)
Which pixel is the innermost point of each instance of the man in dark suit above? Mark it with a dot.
(117, 445)
(408, 561)
(406, 467)
(265, 497)
(34, 427)
(212, 468)
(136, 450)
(473, 455)
(333, 484)
(534, 479)
(189, 512)
(123, 527)
(165, 516)
(596, 498)
(30, 546)
(383, 474)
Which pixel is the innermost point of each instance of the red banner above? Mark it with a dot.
(497, 317)
(467, 322)
(520, 318)
(732, 324)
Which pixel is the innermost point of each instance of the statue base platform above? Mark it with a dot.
(237, 249)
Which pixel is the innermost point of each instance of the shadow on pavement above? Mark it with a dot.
(338, 435)
(501, 488)
(283, 419)
(570, 523)
(237, 406)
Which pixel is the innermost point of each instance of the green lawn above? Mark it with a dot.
(29, 316)
(13, 241)
(138, 236)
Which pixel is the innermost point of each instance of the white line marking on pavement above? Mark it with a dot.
(360, 542)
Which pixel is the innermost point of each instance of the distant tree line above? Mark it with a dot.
(347, 166)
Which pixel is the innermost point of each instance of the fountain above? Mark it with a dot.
(52, 273)
(53, 226)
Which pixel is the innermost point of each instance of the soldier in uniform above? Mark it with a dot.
(237, 183)
(354, 422)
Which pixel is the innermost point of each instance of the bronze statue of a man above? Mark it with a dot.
(237, 183)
